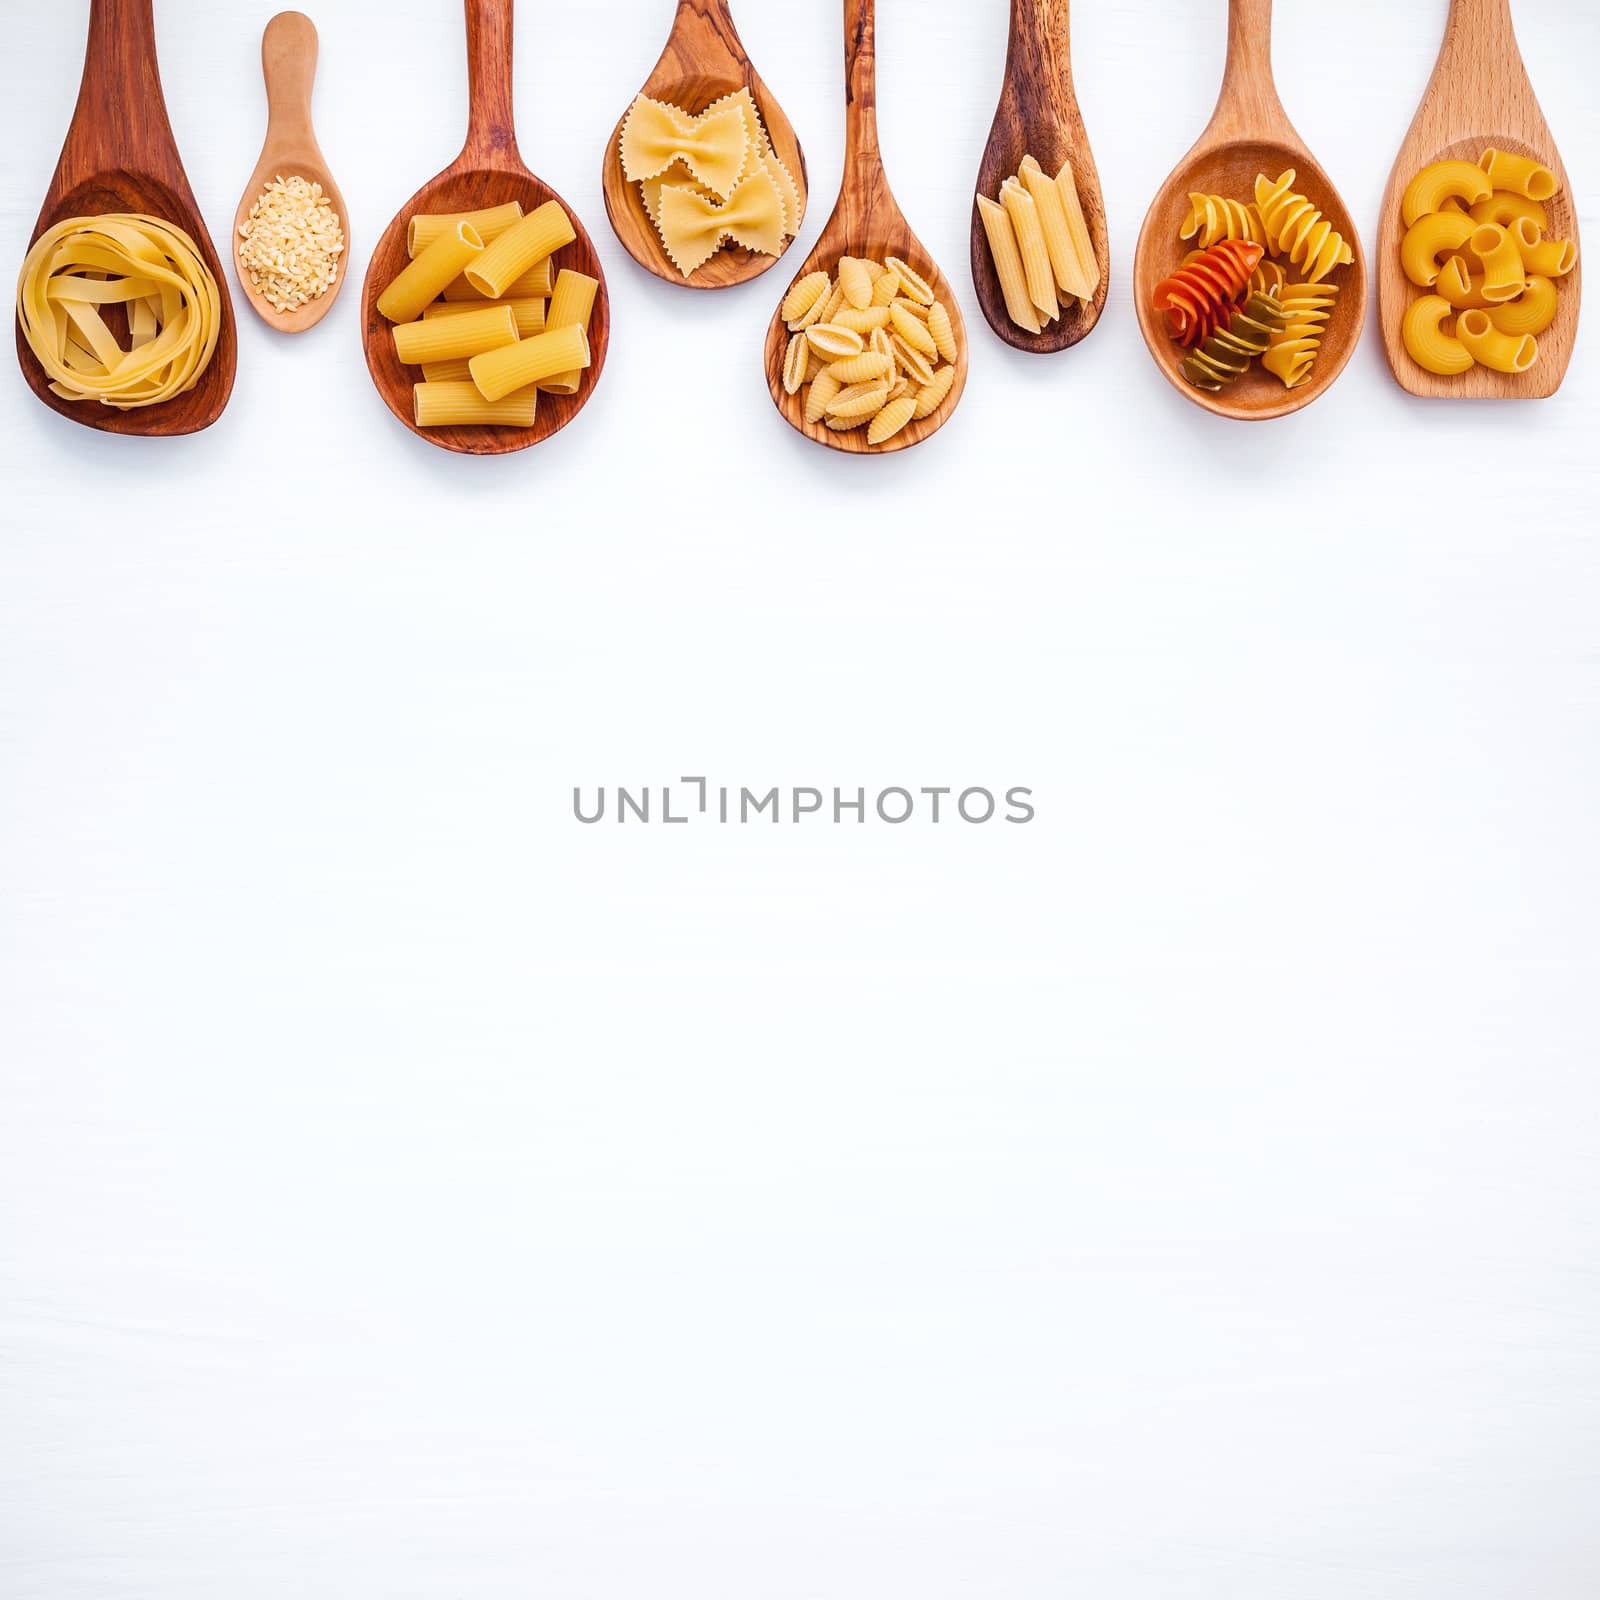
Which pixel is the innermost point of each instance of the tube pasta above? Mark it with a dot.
(498, 373)
(1520, 174)
(1457, 285)
(150, 266)
(450, 338)
(1053, 224)
(1487, 345)
(529, 314)
(534, 284)
(426, 226)
(1024, 216)
(1008, 264)
(1503, 274)
(1430, 237)
(572, 305)
(1442, 181)
(428, 273)
(459, 405)
(1531, 312)
(1429, 343)
(1550, 258)
(459, 371)
(1504, 207)
(526, 243)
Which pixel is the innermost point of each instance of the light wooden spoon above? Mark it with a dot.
(488, 172)
(289, 66)
(1249, 133)
(1038, 115)
(120, 155)
(1478, 98)
(866, 222)
(703, 61)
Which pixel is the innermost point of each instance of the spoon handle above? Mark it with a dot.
(860, 87)
(1041, 37)
(491, 130)
(121, 117)
(289, 66)
(1248, 102)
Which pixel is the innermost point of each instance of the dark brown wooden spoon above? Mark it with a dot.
(1038, 115)
(703, 61)
(120, 155)
(1249, 133)
(488, 172)
(867, 222)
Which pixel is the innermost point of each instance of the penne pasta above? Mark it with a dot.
(1024, 215)
(1082, 243)
(1053, 224)
(1008, 264)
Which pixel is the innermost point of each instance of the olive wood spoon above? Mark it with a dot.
(120, 155)
(1478, 98)
(488, 172)
(1249, 133)
(289, 67)
(866, 222)
(1038, 115)
(703, 61)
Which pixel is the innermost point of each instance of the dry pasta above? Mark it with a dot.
(459, 405)
(709, 180)
(529, 314)
(529, 361)
(571, 305)
(420, 282)
(882, 379)
(1497, 289)
(1040, 245)
(523, 245)
(148, 265)
(1295, 228)
(451, 338)
(425, 226)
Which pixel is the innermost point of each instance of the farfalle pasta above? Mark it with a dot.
(883, 377)
(709, 180)
(1477, 243)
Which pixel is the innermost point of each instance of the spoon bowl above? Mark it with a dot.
(866, 222)
(120, 155)
(289, 66)
(488, 172)
(1038, 115)
(703, 61)
(1249, 135)
(1465, 110)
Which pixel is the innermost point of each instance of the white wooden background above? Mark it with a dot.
(405, 1192)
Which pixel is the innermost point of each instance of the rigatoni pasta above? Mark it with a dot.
(486, 339)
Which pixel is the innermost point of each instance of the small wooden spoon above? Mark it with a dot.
(1249, 133)
(120, 155)
(1038, 115)
(1479, 98)
(703, 61)
(289, 65)
(488, 172)
(866, 222)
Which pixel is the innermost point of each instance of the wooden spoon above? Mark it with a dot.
(1478, 98)
(120, 155)
(1038, 115)
(1249, 133)
(703, 61)
(488, 172)
(289, 65)
(866, 222)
